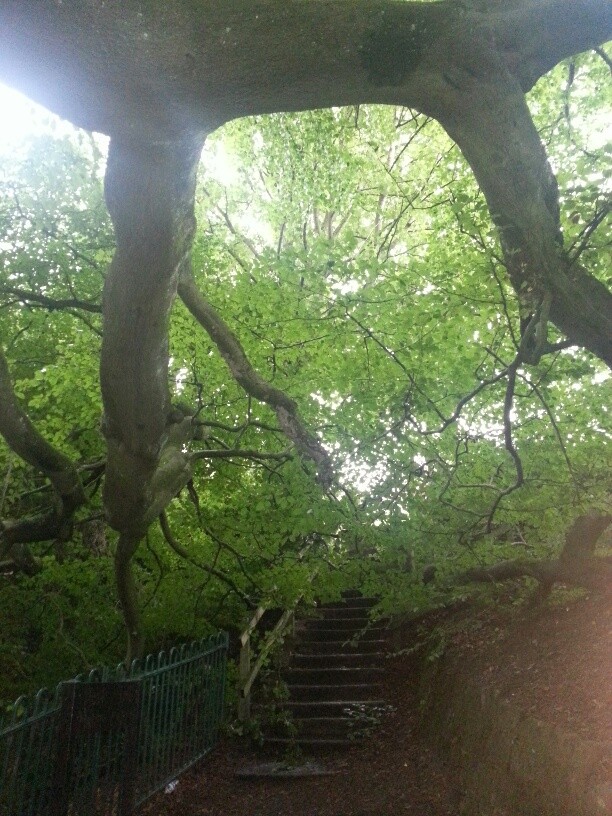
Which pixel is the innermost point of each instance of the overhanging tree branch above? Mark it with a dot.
(492, 125)
(601, 53)
(593, 572)
(239, 453)
(202, 64)
(183, 553)
(253, 383)
(23, 438)
(576, 565)
(49, 303)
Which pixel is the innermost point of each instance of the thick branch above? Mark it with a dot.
(576, 565)
(238, 453)
(592, 573)
(49, 303)
(166, 67)
(537, 36)
(582, 537)
(46, 526)
(19, 558)
(23, 438)
(491, 124)
(253, 383)
(128, 595)
(27, 443)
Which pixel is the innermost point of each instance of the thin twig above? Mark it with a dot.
(182, 552)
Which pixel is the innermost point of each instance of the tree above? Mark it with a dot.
(158, 79)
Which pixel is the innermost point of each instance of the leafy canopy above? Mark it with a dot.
(352, 254)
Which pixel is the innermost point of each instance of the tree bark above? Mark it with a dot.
(160, 68)
(490, 122)
(590, 572)
(229, 347)
(576, 565)
(157, 70)
(583, 536)
(32, 447)
(150, 192)
(127, 592)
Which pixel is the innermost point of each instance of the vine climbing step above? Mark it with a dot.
(334, 679)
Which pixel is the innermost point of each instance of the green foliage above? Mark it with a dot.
(352, 254)
(57, 624)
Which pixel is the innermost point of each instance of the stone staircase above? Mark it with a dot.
(333, 678)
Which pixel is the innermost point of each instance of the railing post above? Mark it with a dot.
(103, 717)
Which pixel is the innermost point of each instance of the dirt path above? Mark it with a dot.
(393, 774)
(554, 664)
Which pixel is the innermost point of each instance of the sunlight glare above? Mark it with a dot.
(22, 118)
(219, 164)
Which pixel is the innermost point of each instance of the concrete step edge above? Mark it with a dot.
(347, 702)
(311, 741)
(329, 686)
(338, 669)
(368, 655)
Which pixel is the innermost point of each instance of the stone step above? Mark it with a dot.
(312, 745)
(323, 646)
(286, 770)
(352, 600)
(328, 727)
(331, 676)
(333, 681)
(335, 692)
(314, 633)
(350, 625)
(337, 661)
(340, 612)
(334, 727)
(303, 709)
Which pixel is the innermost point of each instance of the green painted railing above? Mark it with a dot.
(182, 707)
(180, 698)
(28, 750)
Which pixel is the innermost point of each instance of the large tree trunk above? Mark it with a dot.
(150, 192)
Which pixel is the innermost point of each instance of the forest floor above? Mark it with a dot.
(554, 663)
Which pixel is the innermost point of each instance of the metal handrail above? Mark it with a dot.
(60, 746)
